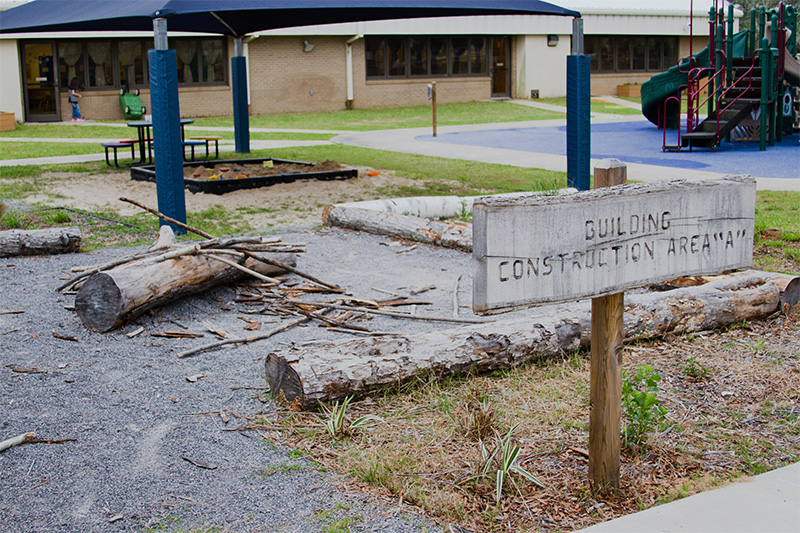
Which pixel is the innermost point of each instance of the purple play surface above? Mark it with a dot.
(640, 142)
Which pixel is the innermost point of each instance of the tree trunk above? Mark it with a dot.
(329, 372)
(451, 235)
(109, 299)
(15, 242)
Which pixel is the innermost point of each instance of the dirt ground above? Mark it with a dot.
(283, 206)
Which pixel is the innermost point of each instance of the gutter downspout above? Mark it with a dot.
(349, 75)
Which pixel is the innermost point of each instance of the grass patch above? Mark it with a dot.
(777, 225)
(436, 175)
(394, 117)
(25, 150)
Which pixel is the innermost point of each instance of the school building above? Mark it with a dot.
(358, 65)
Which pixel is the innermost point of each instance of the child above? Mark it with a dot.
(74, 87)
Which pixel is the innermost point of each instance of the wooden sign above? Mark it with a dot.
(540, 249)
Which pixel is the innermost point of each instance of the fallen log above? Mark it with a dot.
(111, 298)
(319, 373)
(16, 242)
(451, 235)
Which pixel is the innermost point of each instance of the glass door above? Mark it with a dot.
(41, 84)
(501, 73)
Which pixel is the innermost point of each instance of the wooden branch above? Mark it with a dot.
(293, 270)
(168, 219)
(400, 315)
(333, 371)
(244, 269)
(244, 340)
(455, 235)
(16, 441)
(15, 242)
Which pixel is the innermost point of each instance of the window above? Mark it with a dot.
(627, 53)
(104, 64)
(404, 57)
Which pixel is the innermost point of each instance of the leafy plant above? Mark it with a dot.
(505, 464)
(695, 369)
(336, 424)
(641, 409)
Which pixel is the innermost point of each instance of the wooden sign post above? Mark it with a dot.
(605, 373)
(529, 250)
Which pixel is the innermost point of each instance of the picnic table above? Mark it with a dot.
(145, 140)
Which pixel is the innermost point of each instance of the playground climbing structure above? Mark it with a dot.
(745, 84)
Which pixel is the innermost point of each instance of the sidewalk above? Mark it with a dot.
(768, 503)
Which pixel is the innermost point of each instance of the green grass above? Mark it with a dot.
(779, 210)
(436, 175)
(394, 117)
(68, 131)
(24, 150)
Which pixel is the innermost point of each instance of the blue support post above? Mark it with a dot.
(241, 117)
(579, 143)
(167, 135)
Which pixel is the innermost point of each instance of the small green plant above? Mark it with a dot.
(336, 424)
(641, 409)
(505, 464)
(695, 369)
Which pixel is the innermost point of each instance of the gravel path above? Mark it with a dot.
(137, 420)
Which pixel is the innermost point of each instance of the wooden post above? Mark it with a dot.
(433, 103)
(605, 388)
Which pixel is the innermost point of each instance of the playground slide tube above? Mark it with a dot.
(791, 70)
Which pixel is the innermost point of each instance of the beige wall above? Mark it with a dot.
(541, 67)
(11, 81)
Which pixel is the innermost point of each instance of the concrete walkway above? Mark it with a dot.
(768, 503)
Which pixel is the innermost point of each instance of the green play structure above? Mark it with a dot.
(745, 83)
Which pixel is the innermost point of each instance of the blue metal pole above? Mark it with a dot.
(166, 127)
(241, 115)
(578, 113)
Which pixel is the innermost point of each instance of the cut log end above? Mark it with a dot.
(99, 303)
(283, 380)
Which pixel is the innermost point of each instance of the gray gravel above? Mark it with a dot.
(134, 414)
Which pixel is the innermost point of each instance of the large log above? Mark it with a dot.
(318, 373)
(451, 235)
(15, 242)
(109, 299)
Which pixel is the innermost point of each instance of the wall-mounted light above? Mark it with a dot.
(307, 46)
(552, 40)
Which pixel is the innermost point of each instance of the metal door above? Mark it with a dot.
(501, 71)
(40, 82)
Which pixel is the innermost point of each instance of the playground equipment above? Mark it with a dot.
(743, 81)
(131, 104)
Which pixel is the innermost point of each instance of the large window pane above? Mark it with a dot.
(460, 56)
(418, 55)
(186, 51)
(376, 59)
(70, 63)
(438, 56)
(396, 52)
(101, 70)
(606, 54)
(670, 51)
(639, 53)
(477, 55)
(213, 61)
(654, 54)
(590, 46)
(623, 53)
(131, 64)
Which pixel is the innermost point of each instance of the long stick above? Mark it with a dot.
(15, 441)
(244, 340)
(290, 269)
(253, 273)
(400, 315)
(168, 219)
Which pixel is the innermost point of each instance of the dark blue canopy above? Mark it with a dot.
(240, 17)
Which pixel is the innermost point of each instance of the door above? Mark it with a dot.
(41, 83)
(501, 71)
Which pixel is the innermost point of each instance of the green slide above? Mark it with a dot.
(657, 89)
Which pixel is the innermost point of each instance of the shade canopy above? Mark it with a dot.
(240, 17)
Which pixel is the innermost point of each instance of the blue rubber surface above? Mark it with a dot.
(640, 142)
